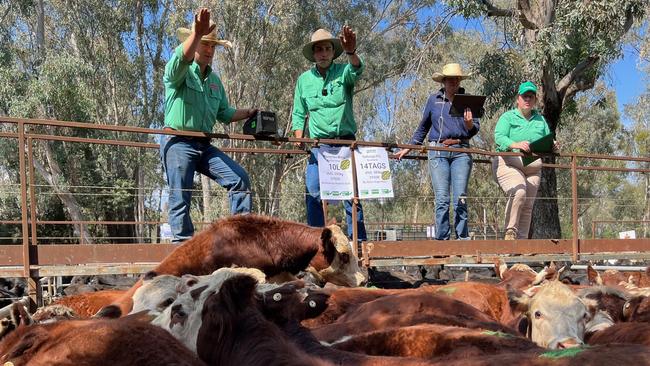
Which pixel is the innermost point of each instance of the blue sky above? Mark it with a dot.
(624, 77)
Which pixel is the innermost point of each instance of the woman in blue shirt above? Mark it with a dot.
(448, 169)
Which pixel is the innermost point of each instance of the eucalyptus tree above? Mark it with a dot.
(565, 46)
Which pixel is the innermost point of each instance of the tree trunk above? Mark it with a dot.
(545, 223)
(53, 177)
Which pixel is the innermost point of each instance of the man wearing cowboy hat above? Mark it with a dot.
(194, 100)
(324, 95)
(447, 169)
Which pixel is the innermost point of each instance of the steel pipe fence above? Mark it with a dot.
(32, 256)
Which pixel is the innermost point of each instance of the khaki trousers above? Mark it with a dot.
(520, 183)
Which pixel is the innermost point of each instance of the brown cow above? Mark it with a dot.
(615, 278)
(637, 333)
(406, 309)
(601, 355)
(88, 304)
(609, 299)
(98, 342)
(342, 300)
(234, 331)
(267, 243)
(637, 309)
(520, 276)
(432, 340)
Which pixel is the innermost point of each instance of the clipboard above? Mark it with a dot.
(543, 144)
(473, 102)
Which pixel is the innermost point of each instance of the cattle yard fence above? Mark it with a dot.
(390, 243)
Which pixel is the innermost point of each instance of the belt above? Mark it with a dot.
(195, 138)
(449, 142)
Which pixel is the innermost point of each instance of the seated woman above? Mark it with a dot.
(514, 131)
(447, 169)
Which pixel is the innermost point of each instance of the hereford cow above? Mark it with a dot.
(520, 276)
(97, 342)
(234, 332)
(556, 315)
(637, 309)
(601, 355)
(88, 304)
(616, 278)
(406, 309)
(433, 340)
(608, 299)
(637, 333)
(183, 317)
(267, 243)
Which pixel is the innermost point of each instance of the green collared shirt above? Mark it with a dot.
(330, 115)
(514, 127)
(191, 102)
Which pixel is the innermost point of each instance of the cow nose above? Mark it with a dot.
(569, 343)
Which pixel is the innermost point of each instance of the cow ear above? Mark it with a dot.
(149, 275)
(109, 312)
(19, 316)
(329, 247)
(593, 276)
(237, 293)
(500, 267)
(195, 293)
(522, 326)
(518, 300)
(187, 282)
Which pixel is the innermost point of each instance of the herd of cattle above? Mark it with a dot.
(229, 296)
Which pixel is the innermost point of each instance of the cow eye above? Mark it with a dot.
(538, 314)
(166, 303)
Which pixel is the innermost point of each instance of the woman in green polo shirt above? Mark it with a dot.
(518, 178)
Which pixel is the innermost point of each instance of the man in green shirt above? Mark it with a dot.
(324, 95)
(194, 100)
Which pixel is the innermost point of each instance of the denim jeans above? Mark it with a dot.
(181, 158)
(315, 216)
(450, 170)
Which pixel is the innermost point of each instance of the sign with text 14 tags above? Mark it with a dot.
(335, 173)
(373, 172)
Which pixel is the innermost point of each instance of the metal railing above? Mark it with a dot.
(29, 259)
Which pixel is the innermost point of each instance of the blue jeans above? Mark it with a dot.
(181, 158)
(315, 216)
(450, 170)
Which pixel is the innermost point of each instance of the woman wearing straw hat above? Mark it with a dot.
(447, 169)
(194, 100)
(324, 94)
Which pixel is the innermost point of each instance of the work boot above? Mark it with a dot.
(511, 234)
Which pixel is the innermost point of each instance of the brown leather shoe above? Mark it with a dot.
(511, 234)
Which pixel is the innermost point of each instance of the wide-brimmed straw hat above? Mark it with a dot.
(319, 36)
(451, 70)
(183, 33)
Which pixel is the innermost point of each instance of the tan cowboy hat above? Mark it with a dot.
(318, 36)
(183, 33)
(451, 70)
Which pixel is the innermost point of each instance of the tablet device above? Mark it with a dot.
(462, 101)
(543, 144)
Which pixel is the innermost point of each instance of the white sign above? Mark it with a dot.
(627, 234)
(335, 173)
(373, 172)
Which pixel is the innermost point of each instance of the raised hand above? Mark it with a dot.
(202, 23)
(348, 40)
